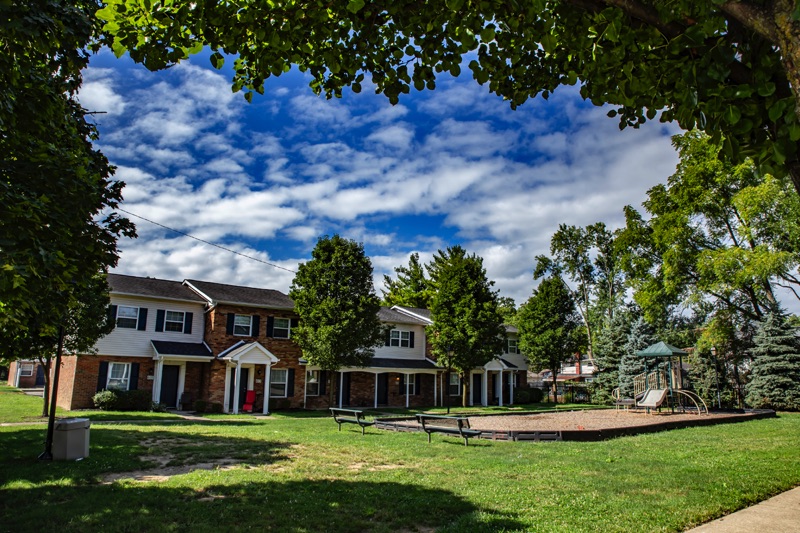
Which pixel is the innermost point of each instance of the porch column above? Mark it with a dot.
(236, 388)
(500, 402)
(226, 399)
(376, 391)
(266, 389)
(511, 377)
(159, 369)
(406, 383)
(485, 391)
(341, 384)
(435, 388)
(471, 392)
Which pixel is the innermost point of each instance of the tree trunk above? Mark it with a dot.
(45, 362)
(464, 391)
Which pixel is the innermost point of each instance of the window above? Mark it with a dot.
(400, 338)
(512, 346)
(173, 321)
(278, 381)
(410, 382)
(127, 317)
(281, 328)
(312, 383)
(241, 325)
(455, 385)
(119, 376)
(26, 369)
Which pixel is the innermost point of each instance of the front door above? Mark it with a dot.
(244, 373)
(39, 376)
(477, 381)
(383, 389)
(169, 385)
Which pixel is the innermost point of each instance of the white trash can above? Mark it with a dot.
(71, 439)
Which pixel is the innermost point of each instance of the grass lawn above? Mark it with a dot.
(298, 473)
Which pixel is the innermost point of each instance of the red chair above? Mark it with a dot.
(249, 400)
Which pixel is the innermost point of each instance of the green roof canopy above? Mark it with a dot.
(660, 349)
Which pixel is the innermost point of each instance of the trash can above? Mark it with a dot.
(71, 439)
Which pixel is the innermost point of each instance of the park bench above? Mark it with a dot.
(350, 416)
(448, 425)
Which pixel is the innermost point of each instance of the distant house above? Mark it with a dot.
(231, 346)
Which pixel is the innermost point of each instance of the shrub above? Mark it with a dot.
(522, 396)
(536, 395)
(135, 400)
(157, 407)
(216, 407)
(200, 406)
(106, 400)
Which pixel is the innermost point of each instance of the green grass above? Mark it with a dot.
(297, 473)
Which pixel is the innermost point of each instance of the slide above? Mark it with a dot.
(653, 398)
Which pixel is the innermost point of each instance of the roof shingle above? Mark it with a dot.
(151, 287)
(236, 294)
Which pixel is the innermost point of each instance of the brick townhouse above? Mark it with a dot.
(232, 346)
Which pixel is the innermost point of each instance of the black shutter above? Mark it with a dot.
(142, 326)
(411, 339)
(417, 383)
(323, 381)
(290, 383)
(112, 315)
(187, 322)
(256, 325)
(295, 322)
(270, 325)
(229, 325)
(134, 382)
(102, 376)
(505, 347)
(402, 385)
(388, 337)
(160, 319)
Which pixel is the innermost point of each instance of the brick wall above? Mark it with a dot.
(79, 374)
(25, 382)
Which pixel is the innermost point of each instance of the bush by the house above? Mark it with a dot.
(536, 395)
(200, 406)
(522, 396)
(125, 400)
(216, 407)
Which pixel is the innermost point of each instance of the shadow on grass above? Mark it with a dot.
(259, 503)
(115, 450)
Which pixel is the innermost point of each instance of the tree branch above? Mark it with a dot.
(754, 17)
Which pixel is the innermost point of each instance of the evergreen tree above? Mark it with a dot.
(775, 373)
(335, 297)
(549, 327)
(631, 365)
(467, 330)
(411, 288)
(610, 344)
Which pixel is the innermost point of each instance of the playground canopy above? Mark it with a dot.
(661, 349)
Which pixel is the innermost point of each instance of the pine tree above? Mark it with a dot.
(609, 348)
(411, 288)
(775, 373)
(631, 365)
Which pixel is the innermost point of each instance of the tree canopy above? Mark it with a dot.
(467, 330)
(335, 297)
(729, 67)
(775, 372)
(58, 229)
(411, 288)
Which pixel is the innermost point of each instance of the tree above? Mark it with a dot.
(631, 365)
(549, 327)
(411, 288)
(507, 308)
(702, 241)
(86, 321)
(727, 67)
(467, 330)
(334, 296)
(610, 343)
(775, 373)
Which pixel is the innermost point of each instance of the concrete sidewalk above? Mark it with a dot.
(779, 514)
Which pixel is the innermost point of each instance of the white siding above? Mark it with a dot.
(135, 343)
(515, 358)
(397, 352)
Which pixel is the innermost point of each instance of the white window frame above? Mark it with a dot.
(312, 382)
(181, 323)
(287, 328)
(513, 348)
(118, 317)
(126, 376)
(400, 338)
(26, 370)
(410, 381)
(457, 385)
(274, 373)
(249, 325)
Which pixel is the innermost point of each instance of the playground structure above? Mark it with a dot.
(664, 384)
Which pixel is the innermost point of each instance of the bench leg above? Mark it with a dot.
(362, 429)
(340, 426)
(429, 437)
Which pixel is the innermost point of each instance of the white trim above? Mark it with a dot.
(405, 311)
(265, 410)
(249, 326)
(134, 295)
(241, 348)
(285, 384)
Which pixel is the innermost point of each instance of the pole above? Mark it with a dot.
(47, 454)
(716, 373)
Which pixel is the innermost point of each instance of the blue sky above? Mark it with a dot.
(450, 166)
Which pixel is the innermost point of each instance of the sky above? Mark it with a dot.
(266, 179)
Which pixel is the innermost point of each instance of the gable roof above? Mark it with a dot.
(151, 288)
(660, 349)
(219, 293)
(386, 314)
(417, 312)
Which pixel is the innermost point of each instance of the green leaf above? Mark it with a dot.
(354, 6)
(767, 89)
(217, 60)
(733, 114)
